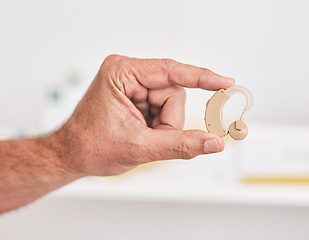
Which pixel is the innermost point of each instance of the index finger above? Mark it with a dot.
(162, 73)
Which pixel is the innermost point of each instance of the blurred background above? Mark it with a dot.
(256, 189)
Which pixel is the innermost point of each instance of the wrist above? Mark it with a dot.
(59, 156)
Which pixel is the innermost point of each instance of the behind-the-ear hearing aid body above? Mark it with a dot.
(213, 114)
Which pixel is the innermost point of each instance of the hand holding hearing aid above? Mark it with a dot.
(238, 130)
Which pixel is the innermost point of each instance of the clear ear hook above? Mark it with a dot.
(248, 95)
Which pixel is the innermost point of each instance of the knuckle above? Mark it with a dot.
(110, 61)
(169, 65)
(185, 150)
(169, 62)
(113, 58)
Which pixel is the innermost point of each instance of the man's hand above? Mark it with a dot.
(133, 113)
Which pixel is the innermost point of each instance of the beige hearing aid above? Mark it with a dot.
(213, 114)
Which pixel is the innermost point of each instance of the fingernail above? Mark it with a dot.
(211, 146)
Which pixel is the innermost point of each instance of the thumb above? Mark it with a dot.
(179, 144)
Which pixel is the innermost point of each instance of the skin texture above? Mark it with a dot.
(132, 113)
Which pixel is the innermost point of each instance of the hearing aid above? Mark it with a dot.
(238, 130)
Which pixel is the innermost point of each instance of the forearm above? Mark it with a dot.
(29, 169)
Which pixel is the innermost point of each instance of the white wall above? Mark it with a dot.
(263, 44)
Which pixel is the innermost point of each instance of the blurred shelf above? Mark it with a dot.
(278, 195)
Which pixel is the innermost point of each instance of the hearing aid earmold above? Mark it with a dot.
(213, 114)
